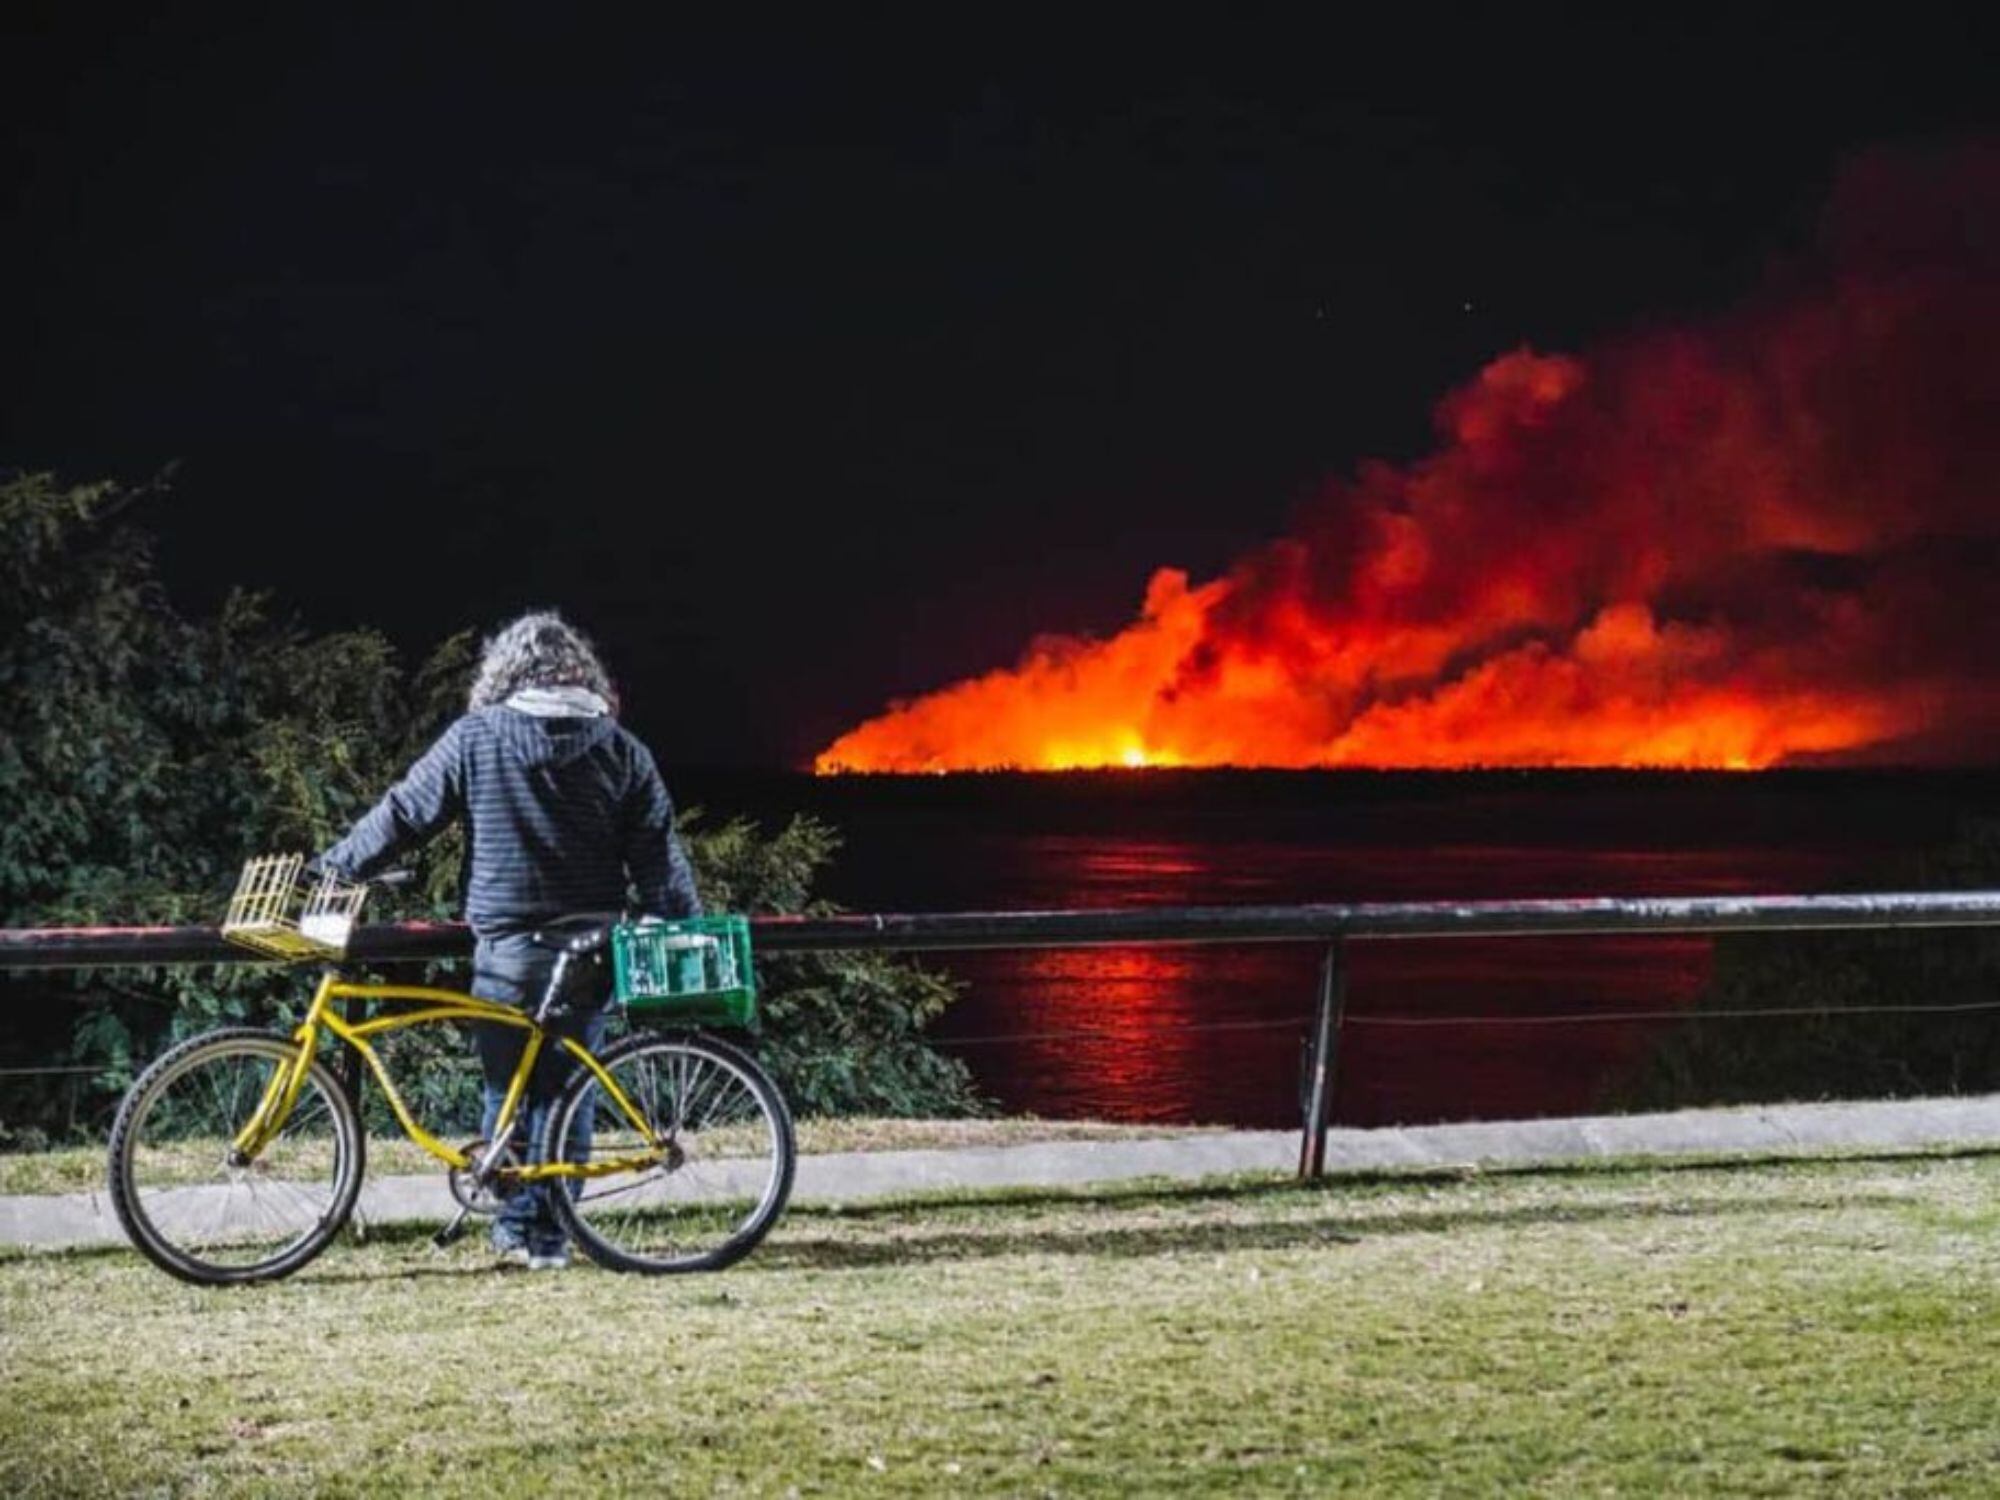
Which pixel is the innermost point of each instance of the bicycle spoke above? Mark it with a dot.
(682, 1064)
(649, 1103)
(314, 1207)
(217, 1219)
(692, 1101)
(732, 1090)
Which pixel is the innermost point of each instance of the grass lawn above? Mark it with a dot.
(1822, 1326)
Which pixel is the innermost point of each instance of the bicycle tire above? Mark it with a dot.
(160, 1147)
(728, 1171)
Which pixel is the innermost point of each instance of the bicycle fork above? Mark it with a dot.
(281, 1093)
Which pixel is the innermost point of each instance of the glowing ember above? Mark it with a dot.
(1765, 540)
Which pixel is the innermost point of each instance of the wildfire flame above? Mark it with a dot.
(1761, 540)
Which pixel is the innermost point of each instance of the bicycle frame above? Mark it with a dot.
(282, 1092)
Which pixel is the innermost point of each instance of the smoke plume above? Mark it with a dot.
(1767, 539)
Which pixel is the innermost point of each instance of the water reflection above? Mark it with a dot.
(1214, 1034)
(1159, 1034)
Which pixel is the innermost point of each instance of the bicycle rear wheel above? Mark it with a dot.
(201, 1210)
(704, 1179)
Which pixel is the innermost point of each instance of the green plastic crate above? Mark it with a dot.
(694, 969)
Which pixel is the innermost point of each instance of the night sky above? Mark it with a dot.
(808, 369)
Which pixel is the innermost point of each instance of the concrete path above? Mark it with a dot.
(72, 1219)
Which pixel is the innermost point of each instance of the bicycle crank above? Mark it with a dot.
(485, 1193)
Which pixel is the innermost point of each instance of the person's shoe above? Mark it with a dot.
(509, 1242)
(549, 1258)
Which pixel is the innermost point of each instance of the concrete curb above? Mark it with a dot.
(75, 1219)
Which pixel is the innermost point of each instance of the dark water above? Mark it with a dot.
(1214, 1034)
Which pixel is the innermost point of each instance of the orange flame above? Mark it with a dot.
(1730, 547)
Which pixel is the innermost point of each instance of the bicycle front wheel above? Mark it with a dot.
(200, 1206)
(687, 1172)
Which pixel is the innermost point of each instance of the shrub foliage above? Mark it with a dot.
(1869, 1014)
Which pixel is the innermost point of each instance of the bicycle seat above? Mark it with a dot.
(584, 933)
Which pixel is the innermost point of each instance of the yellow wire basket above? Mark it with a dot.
(277, 911)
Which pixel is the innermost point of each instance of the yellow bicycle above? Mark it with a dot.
(238, 1155)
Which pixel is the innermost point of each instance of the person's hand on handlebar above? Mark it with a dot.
(317, 869)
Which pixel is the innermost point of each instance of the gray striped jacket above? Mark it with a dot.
(562, 815)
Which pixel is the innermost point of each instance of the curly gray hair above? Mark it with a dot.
(541, 649)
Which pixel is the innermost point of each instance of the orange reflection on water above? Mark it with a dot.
(1127, 1032)
(1213, 1034)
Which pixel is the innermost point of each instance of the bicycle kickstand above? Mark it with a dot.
(452, 1231)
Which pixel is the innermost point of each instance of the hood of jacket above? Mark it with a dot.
(540, 740)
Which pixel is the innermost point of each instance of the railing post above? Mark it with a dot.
(1321, 1063)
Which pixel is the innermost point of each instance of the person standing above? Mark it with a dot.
(564, 811)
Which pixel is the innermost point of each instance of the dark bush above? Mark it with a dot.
(1882, 1014)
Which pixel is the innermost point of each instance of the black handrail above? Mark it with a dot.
(1330, 925)
(92, 947)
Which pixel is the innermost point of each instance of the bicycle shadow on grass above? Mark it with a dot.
(410, 1241)
(792, 1248)
(1161, 1219)
(336, 1264)
(334, 1269)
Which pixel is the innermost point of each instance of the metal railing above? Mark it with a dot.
(1329, 926)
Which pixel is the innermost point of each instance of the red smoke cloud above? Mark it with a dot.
(1767, 539)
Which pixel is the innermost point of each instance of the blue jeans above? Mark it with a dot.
(514, 971)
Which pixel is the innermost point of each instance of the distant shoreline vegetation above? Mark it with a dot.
(1220, 786)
